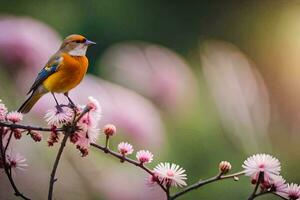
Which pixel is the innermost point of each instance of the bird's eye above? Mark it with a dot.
(78, 41)
(83, 40)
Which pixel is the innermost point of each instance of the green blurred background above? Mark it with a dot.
(214, 126)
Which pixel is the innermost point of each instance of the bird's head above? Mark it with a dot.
(76, 45)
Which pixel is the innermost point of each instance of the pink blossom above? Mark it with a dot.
(125, 148)
(14, 116)
(88, 126)
(55, 117)
(16, 161)
(292, 191)
(144, 156)
(3, 111)
(279, 185)
(171, 174)
(265, 163)
(93, 104)
(109, 130)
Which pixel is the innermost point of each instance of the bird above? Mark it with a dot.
(63, 72)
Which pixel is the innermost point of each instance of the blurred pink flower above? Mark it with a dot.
(16, 161)
(239, 93)
(131, 113)
(125, 148)
(14, 116)
(171, 174)
(144, 156)
(265, 163)
(153, 71)
(25, 46)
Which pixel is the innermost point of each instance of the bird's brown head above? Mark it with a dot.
(76, 45)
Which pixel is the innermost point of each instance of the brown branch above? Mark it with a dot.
(14, 126)
(58, 156)
(205, 182)
(68, 131)
(7, 168)
(259, 180)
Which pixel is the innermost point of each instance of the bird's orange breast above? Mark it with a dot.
(69, 74)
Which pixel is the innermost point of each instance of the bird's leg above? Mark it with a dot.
(71, 103)
(58, 107)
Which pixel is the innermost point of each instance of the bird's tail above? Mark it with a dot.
(29, 103)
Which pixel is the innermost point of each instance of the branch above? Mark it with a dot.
(131, 161)
(14, 126)
(52, 177)
(259, 180)
(7, 168)
(205, 182)
(68, 131)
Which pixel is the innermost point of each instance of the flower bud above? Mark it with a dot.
(17, 134)
(224, 167)
(109, 130)
(36, 136)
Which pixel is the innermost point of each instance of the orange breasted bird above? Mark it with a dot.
(63, 72)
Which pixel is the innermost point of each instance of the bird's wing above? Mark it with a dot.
(50, 68)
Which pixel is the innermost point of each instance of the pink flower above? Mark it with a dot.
(55, 117)
(16, 161)
(279, 185)
(144, 156)
(14, 116)
(171, 175)
(292, 191)
(125, 148)
(88, 125)
(93, 104)
(109, 130)
(36, 136)
(3, 111)
(265, 163)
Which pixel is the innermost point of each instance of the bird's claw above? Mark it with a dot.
(59, 108)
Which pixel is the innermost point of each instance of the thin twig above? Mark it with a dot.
(131, 161)
(204, 182)
(259, 180)
(68, 131)
(8, 141)
(52, 177)
(7, 169)
(13, 126)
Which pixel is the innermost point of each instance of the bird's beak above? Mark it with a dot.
(89, 43)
